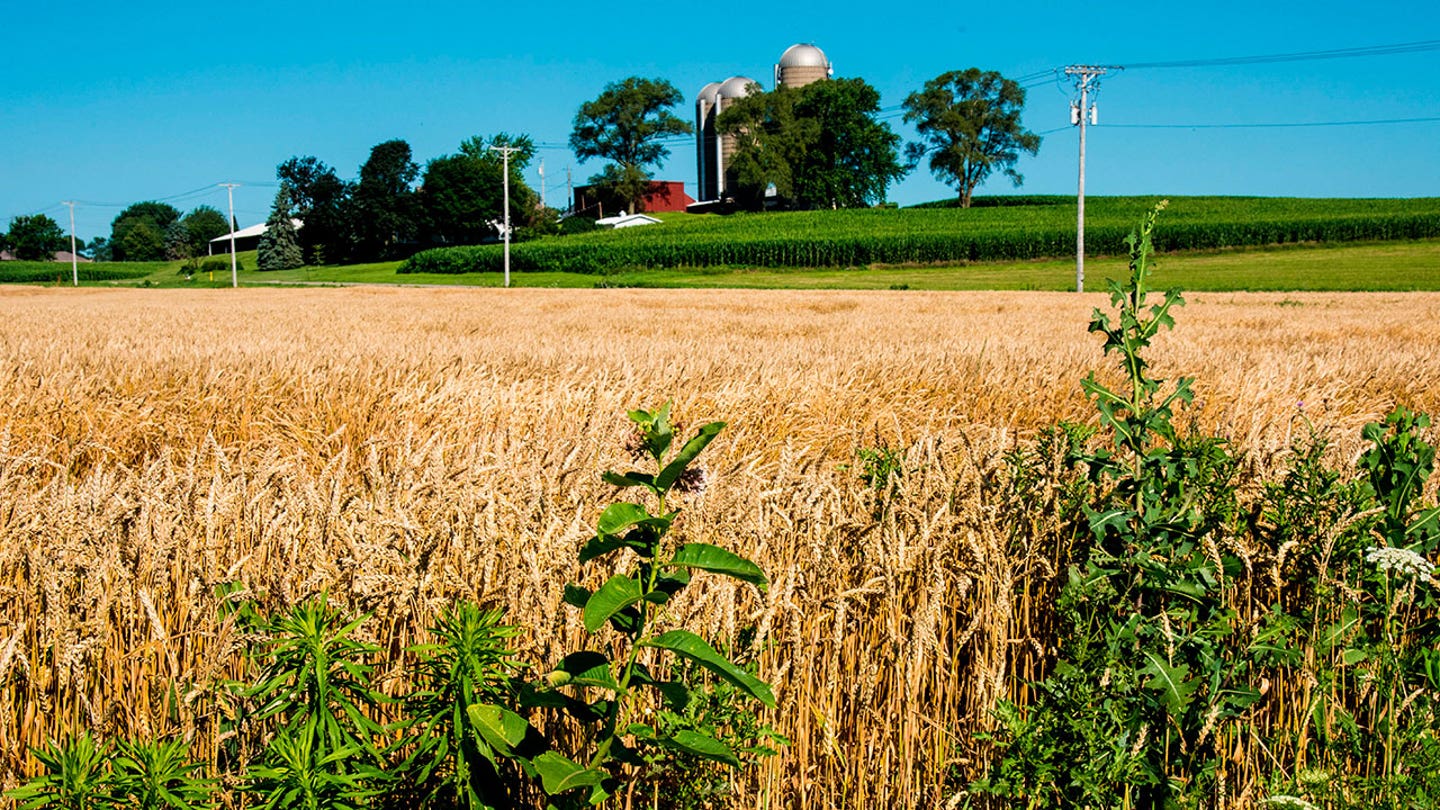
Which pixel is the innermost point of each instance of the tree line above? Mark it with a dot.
(819, 146)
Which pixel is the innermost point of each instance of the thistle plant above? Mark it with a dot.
(1133, 710)
(632, 605)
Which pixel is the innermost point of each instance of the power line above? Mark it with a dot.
(1298, 56)
(1279, 125)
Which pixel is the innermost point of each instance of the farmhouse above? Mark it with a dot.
(59, 256)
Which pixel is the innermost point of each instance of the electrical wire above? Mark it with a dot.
(1299, 56)
(1278, 125)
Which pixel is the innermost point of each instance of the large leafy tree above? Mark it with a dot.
(819, 146)
(156, 217)
(201, 225)
(279, 247)
(969, 125)
(460, 194)
(141, 243)
(320, 200)
(35, 237)
(626, 125)
(383, 212)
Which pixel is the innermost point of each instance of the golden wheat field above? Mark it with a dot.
(402, 448)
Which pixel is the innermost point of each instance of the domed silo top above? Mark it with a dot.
(709, 93)
(801, 65)
(803, 55)
(736, 87)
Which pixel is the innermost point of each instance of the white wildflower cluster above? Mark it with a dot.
(1401, 561)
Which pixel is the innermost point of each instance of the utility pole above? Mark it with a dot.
(505, 153)
(1086, 79)
(569, 190)
(74, 261)
(542, 183)
(234, 272)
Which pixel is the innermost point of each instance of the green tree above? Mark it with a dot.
(626, 125)
(969, 125)
(35, 237)
(382, 210)
(321, 200)
(279, 247)
(141, 243)
(100, 249)
(177, 241)
(156, 216)
(460, 194)
(201, 225)
(819, 146)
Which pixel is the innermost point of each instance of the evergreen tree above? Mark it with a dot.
(280, 246)
(177, 241)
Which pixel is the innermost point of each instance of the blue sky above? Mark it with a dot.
(112, 103)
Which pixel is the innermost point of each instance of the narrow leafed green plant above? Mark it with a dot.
(76, 776)
(316, 690)
(301, 772)
(159, 774)
(632, 604)
(467, 745)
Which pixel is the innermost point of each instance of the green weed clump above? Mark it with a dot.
(1192, 614)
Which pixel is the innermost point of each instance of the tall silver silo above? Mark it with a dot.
(802, 64)
(706, 151)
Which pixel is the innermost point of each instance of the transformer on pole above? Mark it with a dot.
(1087, 80)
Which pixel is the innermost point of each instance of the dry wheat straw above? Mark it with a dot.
(404, 448)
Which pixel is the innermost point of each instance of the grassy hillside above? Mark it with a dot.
(1043, 228)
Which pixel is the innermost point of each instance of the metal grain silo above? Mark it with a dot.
(713, 150)
(707, 187)
(800, 65)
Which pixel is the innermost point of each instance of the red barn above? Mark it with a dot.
(663, 195)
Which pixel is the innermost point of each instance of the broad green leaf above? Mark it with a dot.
(1174, 683)
(717, 560)
(585, 668)
(687, 454)
(688, 645)
(600, 545)
(618, 593)
(1352, 656)
(629, 479)
(677, 694)
(701, 745)
(576, 596)
(499, 727)
(559, 774)
(618, 517)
